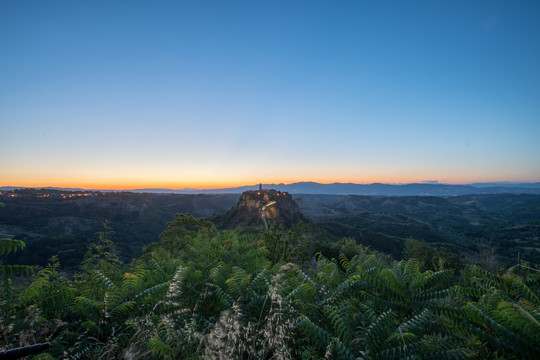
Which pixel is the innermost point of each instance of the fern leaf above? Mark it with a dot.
(16, 270)
(225, 299)
(152, 290)
(122, 309)
(8, 246)
(316, 333)
(104, 280)
(380, 330)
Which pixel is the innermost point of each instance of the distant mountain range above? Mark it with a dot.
(424, 189)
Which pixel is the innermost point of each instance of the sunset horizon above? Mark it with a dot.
(218, 186)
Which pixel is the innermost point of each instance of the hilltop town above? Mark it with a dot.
(262, 206)
(264, 196)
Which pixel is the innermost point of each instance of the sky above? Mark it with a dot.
(207, 94)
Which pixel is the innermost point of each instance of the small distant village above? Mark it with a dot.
(48, 193)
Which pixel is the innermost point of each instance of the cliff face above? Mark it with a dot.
(280, 209)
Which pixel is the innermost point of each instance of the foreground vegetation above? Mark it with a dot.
(251, 294)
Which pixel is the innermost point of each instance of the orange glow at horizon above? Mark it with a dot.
(123, 184)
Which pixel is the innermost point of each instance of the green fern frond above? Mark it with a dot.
(83, 353)
(344, 262)
(302, 277)
(419, 324)
(236, 284)
(400, 339)
(225, 299)
(346, 289)
(134, 281)
(481, 277)
(515, 317)
(60, 298)
(410, 270)
(152, 290)
(519, 290)
(16, 270)
(340, 318)
(8, 246)
(104, 280)
(258, 253)
(463, 294)
(157, 271)
(497, 335)
(378, 302)
(260, 282)
(428, 295)
(390, 283)
(122, 309)
(429, 279)
(455, 353)
(380, 330)
(217, 274)
(398, 352)
(303, 291)
(315, 333)
(175, 285)
(338, 350)
(91, 327)
(87, 308)
(40, 281)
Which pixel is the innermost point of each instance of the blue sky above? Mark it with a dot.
(124, 94)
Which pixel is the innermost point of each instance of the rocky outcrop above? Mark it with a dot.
(280, 209)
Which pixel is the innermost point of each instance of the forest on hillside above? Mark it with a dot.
(504, 224)
(63, 223)
(252, 293)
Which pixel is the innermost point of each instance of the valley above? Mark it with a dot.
(64, 223)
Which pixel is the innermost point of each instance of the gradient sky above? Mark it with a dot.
(129, 94)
